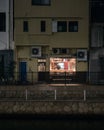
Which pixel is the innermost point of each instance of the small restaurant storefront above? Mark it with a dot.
(62, 69)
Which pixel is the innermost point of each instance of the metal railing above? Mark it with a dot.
(67, 78)
(51, 95)
(18, 78)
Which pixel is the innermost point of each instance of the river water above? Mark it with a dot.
(52, 124)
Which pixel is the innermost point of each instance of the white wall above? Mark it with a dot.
(5, 36)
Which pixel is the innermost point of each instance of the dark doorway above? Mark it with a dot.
(23, 71)
(102, 68)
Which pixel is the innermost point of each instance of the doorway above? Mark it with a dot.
(42, 74)
(23, 71)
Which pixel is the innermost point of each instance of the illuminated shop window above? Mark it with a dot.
(63, 65)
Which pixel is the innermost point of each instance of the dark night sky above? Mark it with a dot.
(97, 10)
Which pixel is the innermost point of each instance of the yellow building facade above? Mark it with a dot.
(51, 36)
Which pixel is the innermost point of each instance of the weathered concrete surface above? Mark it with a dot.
(52, 107)
(62, 107)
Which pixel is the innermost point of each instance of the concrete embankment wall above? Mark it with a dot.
(55, 107)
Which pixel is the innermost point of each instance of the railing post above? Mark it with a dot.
(84, 95)
(32, 77)
(26, 94)
(65, 78)
(55, 94)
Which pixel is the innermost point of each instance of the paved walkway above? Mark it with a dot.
(45, 86)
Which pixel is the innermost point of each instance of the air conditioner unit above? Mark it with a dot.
(82, 55)
(36, 51)
(56, 51)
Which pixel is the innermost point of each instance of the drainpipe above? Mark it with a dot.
(89, 71)
(9, 19)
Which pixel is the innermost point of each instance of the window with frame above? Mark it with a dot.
(2, 22)
(41, 2)
(62, 26)
(25, 26)
(73, 26)
(43, 26)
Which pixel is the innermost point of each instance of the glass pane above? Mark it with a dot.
(2, 22)
(36, 2)
(73, 26)
(62, 26)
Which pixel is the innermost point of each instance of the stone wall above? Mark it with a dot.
(55, 107)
